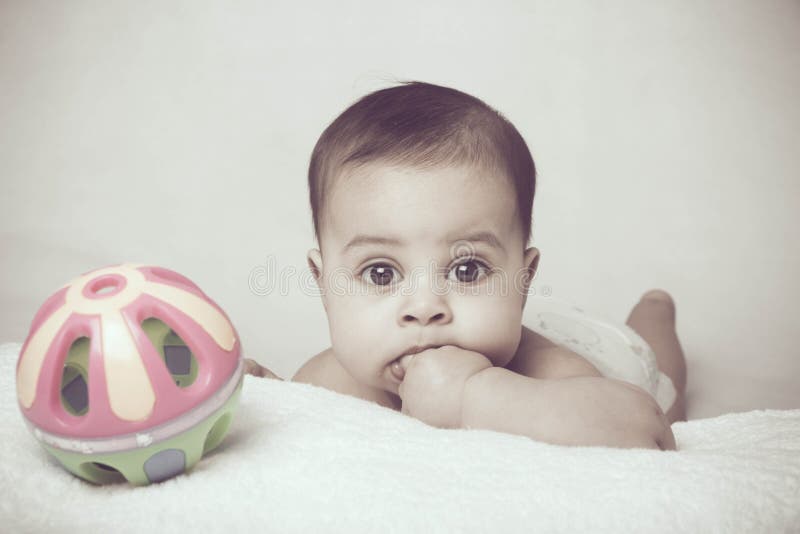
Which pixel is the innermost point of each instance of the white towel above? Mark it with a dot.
(301, 458)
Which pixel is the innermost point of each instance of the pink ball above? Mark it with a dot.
(130, 387)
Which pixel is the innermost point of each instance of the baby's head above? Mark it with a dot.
(421, 198)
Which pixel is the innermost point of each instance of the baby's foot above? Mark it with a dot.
(658, 294)
(656, 304)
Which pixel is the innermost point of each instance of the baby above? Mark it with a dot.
(422, 198)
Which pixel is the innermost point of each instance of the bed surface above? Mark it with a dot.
(300, 458)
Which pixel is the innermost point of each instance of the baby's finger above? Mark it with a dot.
(667, 441)
(405, 361)
(266, 373)
(252, 367)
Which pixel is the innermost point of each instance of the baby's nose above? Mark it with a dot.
(426, 311)
(425, 318)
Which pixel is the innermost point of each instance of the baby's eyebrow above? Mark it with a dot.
(484, 236)
(361, 240)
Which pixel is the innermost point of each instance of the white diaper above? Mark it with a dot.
(614, 348)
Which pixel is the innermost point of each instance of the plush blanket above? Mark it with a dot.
(300, 458)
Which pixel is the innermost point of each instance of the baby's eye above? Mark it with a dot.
(469, 271)
(378, 274)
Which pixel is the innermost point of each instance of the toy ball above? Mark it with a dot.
(129, 373)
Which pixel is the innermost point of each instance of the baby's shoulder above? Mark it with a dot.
(324, 370)
(314, 369)
(538, 357)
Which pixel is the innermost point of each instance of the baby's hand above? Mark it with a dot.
(434, 383)
(598, 411)
(252, 367)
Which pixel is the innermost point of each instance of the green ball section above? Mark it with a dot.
(130, 465)
(177, 357)
(163, 337)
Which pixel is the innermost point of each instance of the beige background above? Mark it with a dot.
(178, 134)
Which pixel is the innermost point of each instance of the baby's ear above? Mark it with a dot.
(314, 259)
(531, 263)
(532, 256)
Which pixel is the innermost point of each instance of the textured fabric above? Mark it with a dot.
(305, 459)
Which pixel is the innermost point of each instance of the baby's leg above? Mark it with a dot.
(653, 318)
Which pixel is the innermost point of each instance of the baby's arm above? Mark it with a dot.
(584, 410)
(453, 387)
(538, 357)
(555, 395)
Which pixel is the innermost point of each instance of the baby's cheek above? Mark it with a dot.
(356, 333)
(347, 325)
(491, 328)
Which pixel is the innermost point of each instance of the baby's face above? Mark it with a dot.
(419, 257)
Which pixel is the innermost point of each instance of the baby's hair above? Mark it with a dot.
(421, 125)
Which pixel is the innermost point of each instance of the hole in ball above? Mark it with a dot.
(175, 353)
(75, 378)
